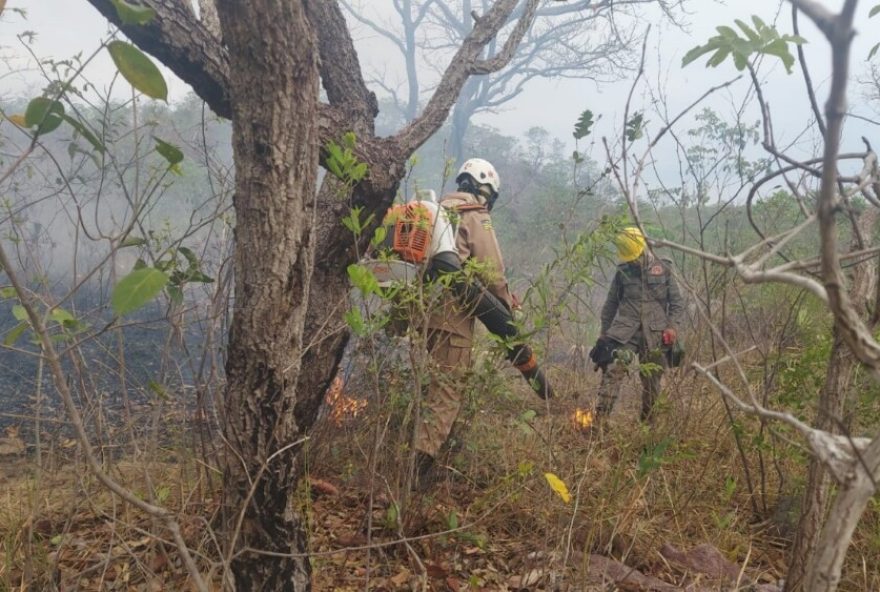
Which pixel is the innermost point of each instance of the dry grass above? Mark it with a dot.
(635, 490)
(490, 523)
(61, 530)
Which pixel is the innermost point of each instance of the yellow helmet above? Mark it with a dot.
(630, 243)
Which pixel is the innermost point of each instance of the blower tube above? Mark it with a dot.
(496, 317)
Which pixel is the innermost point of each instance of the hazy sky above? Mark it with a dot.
(66, 27)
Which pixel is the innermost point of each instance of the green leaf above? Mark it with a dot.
(85, 133)
(726, 32)
(760, 25)
(874, 11)
(761, 39)
(189, 256)
(528, 415)
(363, 279)
(136, 289)
(19, 312)
(873, 51)
(199, 277)
(133, 14)
(750, 33)
(138, 69)
(61, 316)
(392, 514)
(162, 494)
(635, 126)
(583, 125)
(158, 389)
(44, 113)
(359, 171)
(355, 320)
(740, 61)
(176, 294)
(170, 152)
(379, 236)
(695, 53)
(8, 292)
(779, 48)
(133, 241)
(15, 334)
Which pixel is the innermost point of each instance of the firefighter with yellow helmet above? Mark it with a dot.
(640, 317)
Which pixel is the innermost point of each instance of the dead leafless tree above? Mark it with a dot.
(581, 40)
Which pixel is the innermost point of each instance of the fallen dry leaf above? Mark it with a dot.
(436, 571)
(530, 578)
(319, 486)
(401, 579)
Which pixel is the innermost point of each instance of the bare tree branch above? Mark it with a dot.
(504, 56)
(460, 69)
(836, 452)
(185, 45)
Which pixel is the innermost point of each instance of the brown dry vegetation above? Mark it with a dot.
(491, 522)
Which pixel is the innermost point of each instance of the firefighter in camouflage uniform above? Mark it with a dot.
(640, 318)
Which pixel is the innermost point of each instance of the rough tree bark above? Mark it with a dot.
(831, 412)
(273, 91)
(291, 250)
(858, 478)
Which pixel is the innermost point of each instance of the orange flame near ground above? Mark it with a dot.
(341, 406)
(582, 418)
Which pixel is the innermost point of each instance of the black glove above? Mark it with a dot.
(602, 353)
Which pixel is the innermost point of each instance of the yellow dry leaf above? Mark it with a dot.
(16, 119)
(558, 485)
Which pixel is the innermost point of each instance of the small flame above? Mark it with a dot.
(582, 418)
(341, 406)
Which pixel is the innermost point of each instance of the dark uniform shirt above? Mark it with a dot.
(643, 298)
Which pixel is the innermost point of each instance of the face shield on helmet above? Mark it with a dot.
(483, 174)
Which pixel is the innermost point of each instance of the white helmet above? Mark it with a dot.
(482, 171)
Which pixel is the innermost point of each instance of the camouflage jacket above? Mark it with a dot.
(644, 298)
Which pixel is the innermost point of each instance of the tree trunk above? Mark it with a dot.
(461, 120)
(273, 90)
(823, 573)
(841, 366)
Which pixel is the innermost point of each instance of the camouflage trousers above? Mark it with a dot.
(614, 375)
(450, 361)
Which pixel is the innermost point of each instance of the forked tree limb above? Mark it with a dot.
(189, 49)
(461, 67)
